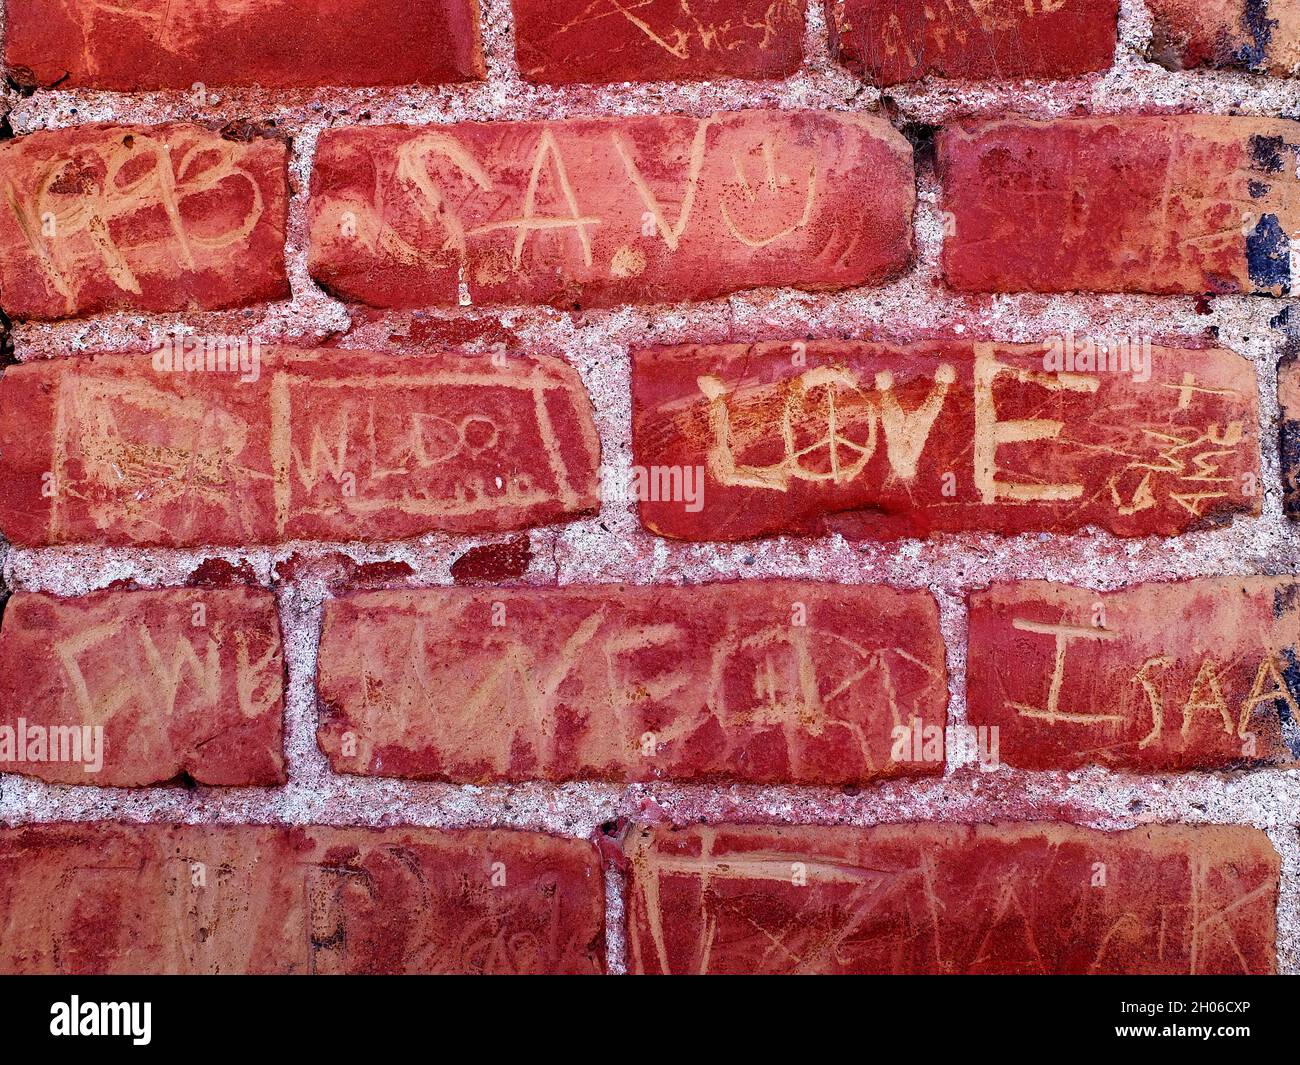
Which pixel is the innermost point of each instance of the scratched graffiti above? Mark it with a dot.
(597, 210)
(947, 899)
(756, 682)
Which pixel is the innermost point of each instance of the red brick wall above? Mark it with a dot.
(377, 636)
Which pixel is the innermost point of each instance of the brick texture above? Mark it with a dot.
(1261, 36)
(1288, 394)
(1201, 674)
(178, 44)
(763, 682)
(134, 688)
(204, 899)
(874, 440)
(324, 445)
(147, 218)
(895, 41)
(1031, 899)
(1161, 204)
(634, 420)
(562, 42)
(592, 212)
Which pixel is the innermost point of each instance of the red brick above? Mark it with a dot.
(1200, 674)
(1288, 395)
(941, 436)
(1033, 899)
(756, 682)
(1163, 204)
(328, 445)
(896, 41)
(141, 218)
(1262, 37)
(162, 683)
(562, 42)
(599, 211)
(205, 899)
(277, 44)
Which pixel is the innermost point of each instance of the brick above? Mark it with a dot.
(176, 44)
(593, 212)
(1261, 36)
(1200, 674)
(755, 682)
(131, 688)
(563, 42)
(1288, 395)
(205, 899)
(1163, 204)
(895, 41)
(884, 441)
(1035, 898)
(141, 218)
(328, 445)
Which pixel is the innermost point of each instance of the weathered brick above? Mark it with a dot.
(593, 212)
(1262, 36)
(140, 687)
(1199, 674)
(277, 44)
(116, 898)
(562, 42)
(1164, 204)
(144, 218)
(329, 445)
(896, 41)
(1288, 395)
(757, 682)
(877, 440)
(1031, 899)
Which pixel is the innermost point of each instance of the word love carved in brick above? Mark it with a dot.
(206, 899)
(333, 445)
(931, 898)
(195, 44)
(764, 682)
(894, 41)
(141, 218)
(1165, 204)
(875, 440)
(131, 688)
(594, 212)
(1201, 674)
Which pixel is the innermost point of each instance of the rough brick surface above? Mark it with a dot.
(174, 44)
(590, 212)
(1201, 674)
(104, 898)
(763, 682)
(1028, 899)
(148, 218)
(1288, 395)
(874, 440)
(562, 42)
(1160, 204)
(156, 685)
(895, 41)
(330, 445)
(1262, 36)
